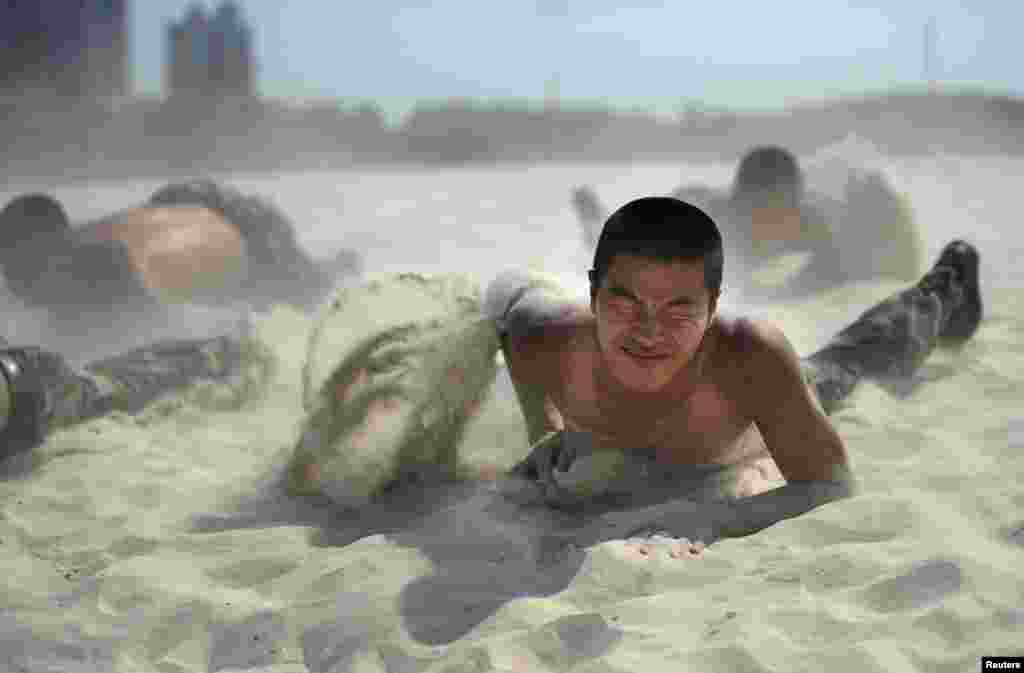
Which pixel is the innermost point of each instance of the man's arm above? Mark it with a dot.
(709, 522)
(521, 305)
(807, 449)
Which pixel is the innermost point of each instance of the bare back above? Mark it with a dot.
(178, 251)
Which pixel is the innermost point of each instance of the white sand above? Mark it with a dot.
(104, 570)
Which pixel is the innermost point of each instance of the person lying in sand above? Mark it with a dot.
(695, 408)
(197, 241)
(652, 365)
(789, 240)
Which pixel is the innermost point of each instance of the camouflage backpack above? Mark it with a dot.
(395, 369)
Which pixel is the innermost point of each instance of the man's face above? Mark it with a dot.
(651, 317)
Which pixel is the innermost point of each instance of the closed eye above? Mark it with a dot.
(621, 299)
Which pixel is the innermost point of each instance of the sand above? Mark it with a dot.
(156, 543)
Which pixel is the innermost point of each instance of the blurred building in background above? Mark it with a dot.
(60, 48)
(210, 56)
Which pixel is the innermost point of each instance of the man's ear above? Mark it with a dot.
(713, 303)
(592, 276)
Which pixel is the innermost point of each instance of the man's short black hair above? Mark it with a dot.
(768, 171)
(29, 216)
(664, 229)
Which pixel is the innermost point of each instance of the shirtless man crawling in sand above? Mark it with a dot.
(651, 364)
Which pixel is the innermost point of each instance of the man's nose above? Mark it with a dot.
(647, 327)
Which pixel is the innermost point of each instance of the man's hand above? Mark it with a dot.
(695, 521)
(681, 519)
(553, 451)
(698, 524)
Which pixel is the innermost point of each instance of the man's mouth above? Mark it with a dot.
(642, 355)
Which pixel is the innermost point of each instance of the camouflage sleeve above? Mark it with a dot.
(43, 392)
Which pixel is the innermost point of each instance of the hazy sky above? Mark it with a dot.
(650, 54)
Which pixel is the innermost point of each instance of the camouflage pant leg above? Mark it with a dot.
(45, 392)
(130, 381)
(889, 341)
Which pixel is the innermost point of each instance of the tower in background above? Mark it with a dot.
(210, 56)
(230, 52)
(186, 54)
(108, 47)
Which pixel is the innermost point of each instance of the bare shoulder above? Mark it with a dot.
(744, 338)
(754, 354)
(541, 353)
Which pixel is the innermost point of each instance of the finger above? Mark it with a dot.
(639, 545)
(566, 456)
